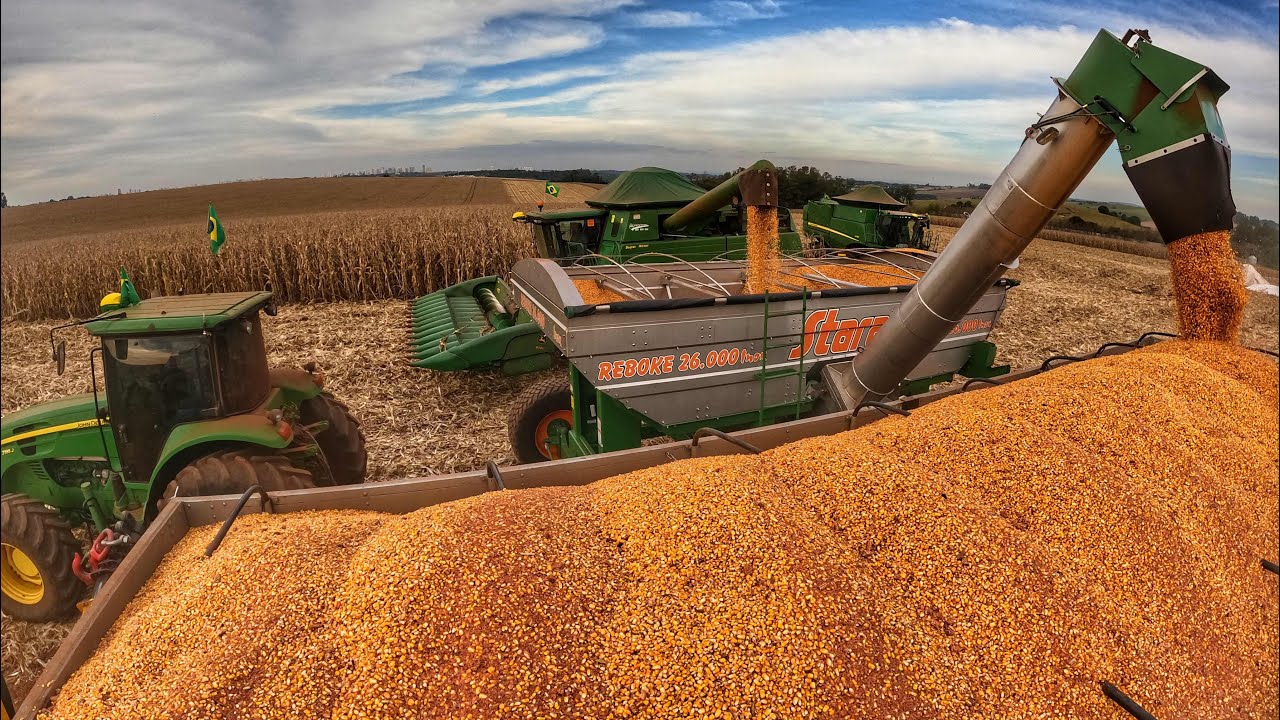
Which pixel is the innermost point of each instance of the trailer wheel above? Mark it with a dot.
(234, 471)
(539, 409)
(35, 566)
(342, 442)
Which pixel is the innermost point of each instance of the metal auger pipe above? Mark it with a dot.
(1052, 162)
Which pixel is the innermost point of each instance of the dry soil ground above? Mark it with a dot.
(1072, 299)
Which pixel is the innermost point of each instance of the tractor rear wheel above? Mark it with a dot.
(342, 443)
(35, 567)
(542, 407)
(232, 472)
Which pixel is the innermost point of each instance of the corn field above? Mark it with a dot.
(366, 255)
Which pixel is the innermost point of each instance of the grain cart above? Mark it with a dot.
(649, 213)
(190, 408)
(865, 217)
(686, 349)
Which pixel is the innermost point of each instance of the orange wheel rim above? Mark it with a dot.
(543, 432)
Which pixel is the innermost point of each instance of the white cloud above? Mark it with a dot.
(671, 19)
(555, 77)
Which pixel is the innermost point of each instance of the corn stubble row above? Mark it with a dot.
(996, 554)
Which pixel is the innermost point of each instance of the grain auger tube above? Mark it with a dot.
(1159, 107)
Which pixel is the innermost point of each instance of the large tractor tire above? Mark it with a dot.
(531, 419)
(234, 471)
(35, 570)
(342, 443)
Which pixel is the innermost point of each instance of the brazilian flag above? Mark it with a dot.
(128, 294)
(552, 189)
(216, 234)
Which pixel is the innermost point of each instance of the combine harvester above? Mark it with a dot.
(644, 364)
(865, 217)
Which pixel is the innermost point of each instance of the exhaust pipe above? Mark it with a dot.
(1159, 106)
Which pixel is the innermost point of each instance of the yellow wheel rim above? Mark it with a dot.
(19, 577)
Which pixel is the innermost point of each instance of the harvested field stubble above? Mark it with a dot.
(994, 554)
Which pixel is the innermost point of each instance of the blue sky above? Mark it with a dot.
(160, 93)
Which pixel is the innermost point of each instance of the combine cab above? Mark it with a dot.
(866, 217)
(648, 215)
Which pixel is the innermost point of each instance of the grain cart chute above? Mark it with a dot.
(682, 347)
(189, 407)
(649, 213)
(1159, 107)
(864, 217)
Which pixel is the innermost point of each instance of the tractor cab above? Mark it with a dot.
(564, 235)
(170, 361)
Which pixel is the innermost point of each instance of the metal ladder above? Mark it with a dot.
(765, 374)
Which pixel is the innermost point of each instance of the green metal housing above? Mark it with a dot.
(68, 454)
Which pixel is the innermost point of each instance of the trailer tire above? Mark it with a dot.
(342, 443)
(231, 472)
(529, 420)
(38, 585)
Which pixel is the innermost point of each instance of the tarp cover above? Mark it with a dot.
(646, 187)
(868, 195)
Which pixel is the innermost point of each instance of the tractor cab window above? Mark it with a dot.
(153, 384)
(242, 365)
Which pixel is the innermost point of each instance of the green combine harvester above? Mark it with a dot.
(190, 407)
(648, 215)
(865, 217)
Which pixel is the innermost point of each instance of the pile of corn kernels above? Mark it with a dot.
(594, 294)
(997, 554)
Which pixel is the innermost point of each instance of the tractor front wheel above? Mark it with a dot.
(35, 568)
(542, 408)
(234, 471)
(342, 442)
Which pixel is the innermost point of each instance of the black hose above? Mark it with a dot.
(1268, 565)
(1125, 702)
(493, 473)
(988, 381)
(882, 407)
(267, 504)
(704, 432)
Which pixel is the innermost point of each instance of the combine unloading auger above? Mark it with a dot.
(1159, 107)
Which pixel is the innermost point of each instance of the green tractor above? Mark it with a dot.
(190, 408)
(866, 217)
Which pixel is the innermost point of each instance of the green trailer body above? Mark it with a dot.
(647, 215)
(866, 217)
